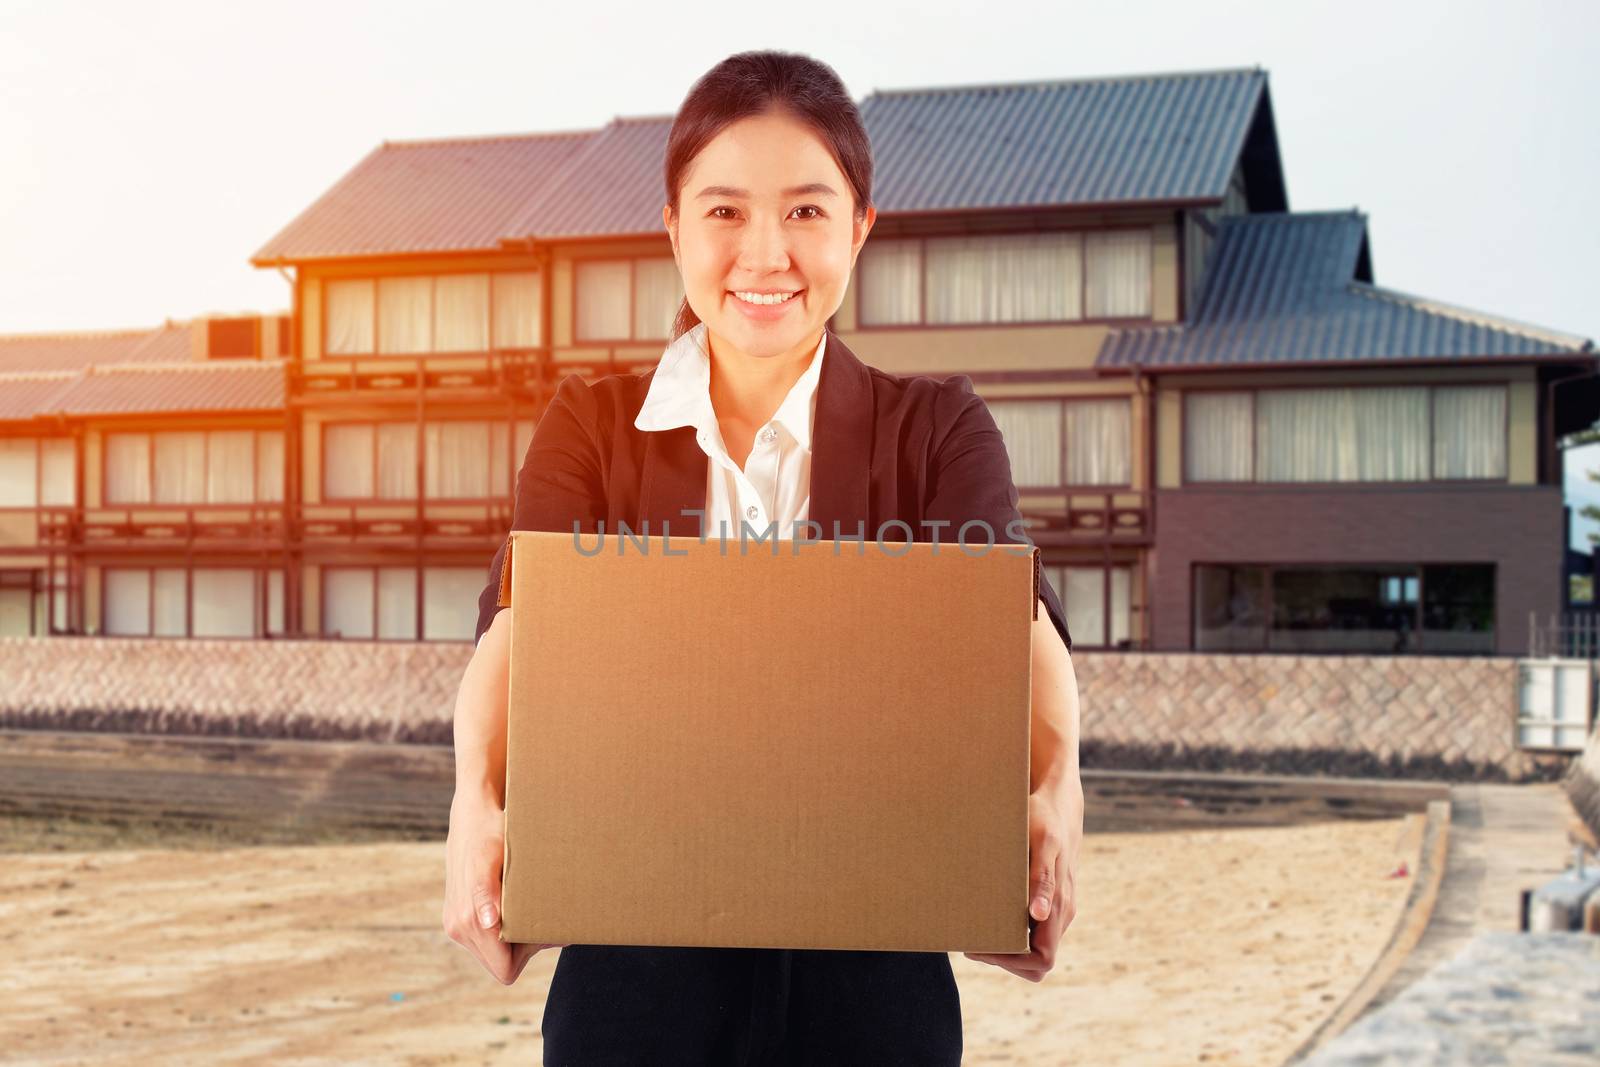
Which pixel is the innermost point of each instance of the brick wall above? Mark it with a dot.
(1518, 528)
(1351, 715)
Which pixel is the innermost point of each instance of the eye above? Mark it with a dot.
(713, 212)
(810, 207)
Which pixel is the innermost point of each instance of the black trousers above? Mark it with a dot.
(722, 1007)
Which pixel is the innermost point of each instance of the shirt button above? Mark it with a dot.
(751, 512)
(769, 434)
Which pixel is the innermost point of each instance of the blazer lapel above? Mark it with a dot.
(841, 444)
(672, 478)
(673, 471)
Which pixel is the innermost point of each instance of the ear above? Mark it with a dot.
(858, 235)
(671, 224)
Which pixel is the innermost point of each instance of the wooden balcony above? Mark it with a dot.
(361, 379)
(166, 527)
(1070, 517)
(437, 524)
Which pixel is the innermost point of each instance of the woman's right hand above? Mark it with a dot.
(474, 852)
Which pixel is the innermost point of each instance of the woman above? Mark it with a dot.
(758, 414)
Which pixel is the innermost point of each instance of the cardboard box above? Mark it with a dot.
(796, 744)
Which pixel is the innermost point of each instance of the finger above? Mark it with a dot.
(486, 905)
(1042, 880)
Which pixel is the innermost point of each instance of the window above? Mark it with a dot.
(1369, 609)
(194, 467)
(627, 299)
(37, 472)
(1054, 276)
(1083, 595)
(422, 313)
(1348, 434)
(1066, 442)
(463, 459)
(225, 602)
(381, 602)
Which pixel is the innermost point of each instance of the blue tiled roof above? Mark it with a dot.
(614, 186)
(449, 195)
(1155, 137)
(1297, 288)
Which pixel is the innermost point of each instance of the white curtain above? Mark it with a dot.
(230, 466)
(657, 292)
(171, 601)
(58, 471)
(1099, 442)
(1469, 431)
(889, 282)
(347, 602)
(19, 472)
(1342, 435)
(450, 602)
(397, 603)
(347, 461)
(180, 462)
(1031, 277)
(405, 314)
(397, 460)
(604, 299)
(127, 468)
(457, 458)
(1081, 591)
(269, 466)
(274, 602)
(127, 607)
(224, 602)
(1118, 273)
(16, 613)
(1032, 432)
(516, 309)
(350, 307)
(461, 313)
(1216, 437)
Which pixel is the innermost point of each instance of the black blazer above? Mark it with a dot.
(884, 446)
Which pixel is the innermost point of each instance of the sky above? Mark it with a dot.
(148, 149)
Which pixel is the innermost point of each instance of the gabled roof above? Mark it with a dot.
(168, 342)
(448, 195)
(614, 186)
(155, 388)
(1153, 138)
(1297, 289)
(115, 372)
(1156, 138)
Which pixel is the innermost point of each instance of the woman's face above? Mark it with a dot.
(765, 209)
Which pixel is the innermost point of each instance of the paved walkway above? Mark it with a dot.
(1503, 839)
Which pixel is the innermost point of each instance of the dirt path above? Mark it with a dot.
(1219, 946)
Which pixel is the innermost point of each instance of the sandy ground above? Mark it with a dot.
(1203, 946)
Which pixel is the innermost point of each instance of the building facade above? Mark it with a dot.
(1224, 434)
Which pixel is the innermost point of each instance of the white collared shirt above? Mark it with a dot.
(774, 487)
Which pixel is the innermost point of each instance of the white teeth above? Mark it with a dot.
(759, 298)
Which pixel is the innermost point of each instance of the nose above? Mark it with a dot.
(763, 246)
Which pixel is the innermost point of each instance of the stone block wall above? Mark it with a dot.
(1363, 716)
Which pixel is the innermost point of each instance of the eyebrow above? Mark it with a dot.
(810, 189)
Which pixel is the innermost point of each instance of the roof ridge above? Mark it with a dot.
(38, 375)
(84, 335)
(1280, 217)
(1051, 83)
(484, 138)
(1465, 314)
(179, 364)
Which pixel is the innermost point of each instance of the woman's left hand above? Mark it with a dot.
(1055, 832)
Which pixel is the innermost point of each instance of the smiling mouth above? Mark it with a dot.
(764, 299)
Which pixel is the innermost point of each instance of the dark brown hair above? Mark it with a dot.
(755, 83)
